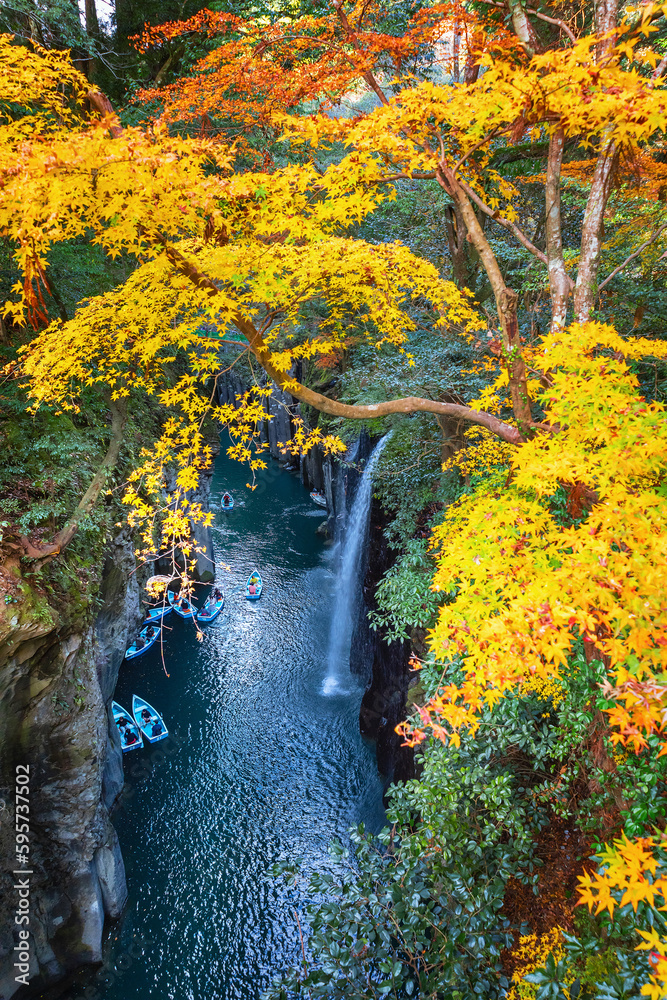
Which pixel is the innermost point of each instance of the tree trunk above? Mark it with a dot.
(560, 284)
(455, 231)
(456, 48)
(523, 28)
(507, 300)
(92, 23)
(585, 291)
(472, 67)
(606, 19)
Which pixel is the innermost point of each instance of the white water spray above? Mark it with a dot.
(348, 583)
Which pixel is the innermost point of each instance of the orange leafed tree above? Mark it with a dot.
(233, 240)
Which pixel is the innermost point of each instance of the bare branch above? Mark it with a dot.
(513, 228)
(408, 404)
(632, 256)
(367, 74)
(542, 17)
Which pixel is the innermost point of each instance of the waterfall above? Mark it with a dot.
(348, 583)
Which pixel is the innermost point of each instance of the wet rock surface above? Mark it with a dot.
(384, 702)
(55, 689)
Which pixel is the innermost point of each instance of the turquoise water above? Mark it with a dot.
(263, 766)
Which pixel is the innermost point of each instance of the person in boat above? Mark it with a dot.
(252, 588)
(145, 716)
(185, 605)
(121, 723)
(150, 632)
(227, 497)
(157, 728)
(130, 738)
(140, 642)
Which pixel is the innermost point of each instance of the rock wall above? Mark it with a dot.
(58, 672)
(384, 702)
(56, 682)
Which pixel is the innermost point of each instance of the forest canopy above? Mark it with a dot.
(254, 194)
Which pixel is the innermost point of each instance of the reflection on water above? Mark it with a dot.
(262, 767)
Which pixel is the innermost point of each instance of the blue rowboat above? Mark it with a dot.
(148, 720)
(130, 737)
(318, 498)
(157, 614)
(227, 502)
(210, 610)
(182, 606)
(254, 586)
(146, 638)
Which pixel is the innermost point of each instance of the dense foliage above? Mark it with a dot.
(448, 220)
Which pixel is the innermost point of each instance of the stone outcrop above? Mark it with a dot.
(384, 702)
(57, 677)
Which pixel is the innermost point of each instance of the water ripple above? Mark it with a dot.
(263, 768)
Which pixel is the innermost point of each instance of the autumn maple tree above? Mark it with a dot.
(238, 199)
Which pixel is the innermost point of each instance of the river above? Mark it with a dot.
(264, 765)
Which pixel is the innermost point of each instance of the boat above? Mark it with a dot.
(175, 600)
(254, 580)
(146, 638)
(211, 609)
(157, 614)
(148, 720)
(227, 502)
(318, 498)
(130, 736)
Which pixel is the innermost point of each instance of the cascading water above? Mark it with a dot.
(348, 583)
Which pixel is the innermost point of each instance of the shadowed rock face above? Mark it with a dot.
(384, 701)
(56, 682)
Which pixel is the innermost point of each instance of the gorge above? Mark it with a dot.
(255, 667)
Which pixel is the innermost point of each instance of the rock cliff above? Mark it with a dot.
(57, 675)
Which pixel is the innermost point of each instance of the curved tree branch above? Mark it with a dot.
(351, 34)
(505, 223)
(408, 404)
(632, 256)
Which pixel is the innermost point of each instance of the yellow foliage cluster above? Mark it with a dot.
(526, 589)
(633, 872)
(544, 688)
(530, 954)
(483, 452)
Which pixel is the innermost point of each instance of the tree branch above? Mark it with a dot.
(522, 238)
(408, 404)
(367, 74)
(101, 103)
(506, 298)
(542, 17)
(632, 256)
